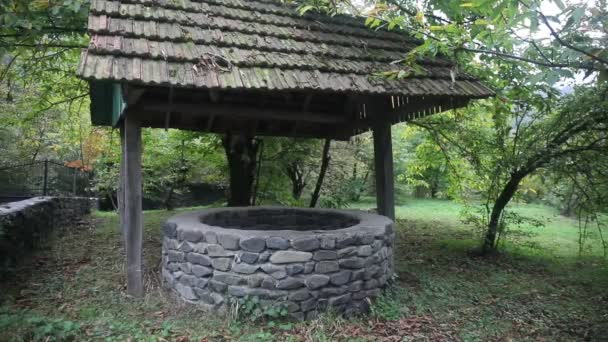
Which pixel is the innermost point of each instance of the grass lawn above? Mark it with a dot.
(557, 238)
(74, 289)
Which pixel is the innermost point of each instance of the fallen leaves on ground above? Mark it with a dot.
(415, 328)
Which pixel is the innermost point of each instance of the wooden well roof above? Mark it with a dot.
(237, 48)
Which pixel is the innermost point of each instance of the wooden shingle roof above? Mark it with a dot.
(255, 45)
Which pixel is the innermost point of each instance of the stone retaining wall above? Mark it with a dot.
(24, 224)
(304, 270)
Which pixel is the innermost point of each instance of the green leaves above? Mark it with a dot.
(406, 71)
(305, 8)
(372, 22)
(503, 32)
(560, 4)
(329, 7)
(251, 308)
(42, 14)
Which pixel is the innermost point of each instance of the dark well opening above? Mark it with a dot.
(279, 219)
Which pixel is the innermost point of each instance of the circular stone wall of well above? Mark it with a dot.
(304, 259)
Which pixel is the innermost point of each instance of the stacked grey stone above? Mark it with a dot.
(25, 224)
(307, 271)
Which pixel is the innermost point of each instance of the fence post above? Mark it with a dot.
(46, 177)
(73, 181)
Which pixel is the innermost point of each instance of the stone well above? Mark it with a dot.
(305, 259)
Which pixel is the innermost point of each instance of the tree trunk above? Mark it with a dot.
(568, 210)
(296, 176)
(180, 179)
(505, 196)
(420, 191)
(256, 185)
(360, 187)
(240, 153)
(297, 190)
(363, 185)
(434, 188)
(168, 202)
(324, 164)
(297, 187)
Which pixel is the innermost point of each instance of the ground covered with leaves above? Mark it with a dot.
(74, 289)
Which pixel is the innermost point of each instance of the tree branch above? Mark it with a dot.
(48, 45)
(529, 60)
(568, 45)
(53, 104)
(529, 41)
(5, 71)
(413, 14)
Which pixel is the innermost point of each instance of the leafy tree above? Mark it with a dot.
(39, 123)
(582, 184)
(168, 159)
(572, 37)
(522, 50)
(285, 170)
(40, 44)
(241, 154)
(42, 24)
(495, 154)
(348, 173)
(298, 163)
(419, 162)
(172, 160)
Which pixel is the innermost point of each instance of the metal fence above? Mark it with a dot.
(43, 178)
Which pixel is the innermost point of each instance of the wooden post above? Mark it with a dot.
(383, 161)
(45, 181)
(120, 196)
(73, 181)
(131, 220)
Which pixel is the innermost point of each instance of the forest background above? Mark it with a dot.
(541, 140)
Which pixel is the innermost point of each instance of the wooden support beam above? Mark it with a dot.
(214, 95)
(223, 125)
(244, 112)
(305, 105)
(121, 186)
(407, 110)
(132, 94)
(415, 109)
(210, 123)
(383, 161)
(307, 101)
(132, 213)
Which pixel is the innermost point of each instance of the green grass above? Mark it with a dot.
(557, 238)
(75, 288)
(517, 294)
(422, 209)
